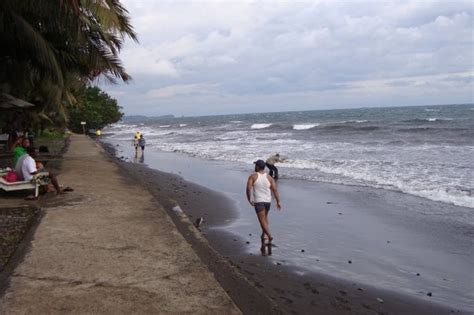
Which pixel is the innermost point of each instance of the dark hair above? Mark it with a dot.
(31, 150)
(260, 164)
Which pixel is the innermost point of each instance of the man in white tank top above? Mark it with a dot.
(260, 187)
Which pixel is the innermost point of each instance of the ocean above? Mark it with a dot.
(390, 189)
(425, 151)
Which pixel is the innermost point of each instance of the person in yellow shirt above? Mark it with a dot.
(136, 140)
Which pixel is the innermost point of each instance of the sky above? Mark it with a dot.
(221, 57)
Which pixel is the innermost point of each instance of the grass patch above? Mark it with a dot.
(51, 134)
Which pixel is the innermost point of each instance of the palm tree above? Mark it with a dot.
(51, 48)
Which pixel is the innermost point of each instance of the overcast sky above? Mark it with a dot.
(219, 57)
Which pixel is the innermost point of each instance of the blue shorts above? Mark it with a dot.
(260, 206)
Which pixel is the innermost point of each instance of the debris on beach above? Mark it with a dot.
(418, 274)
(198, 222)
(380, 300)
(429, 294)
(349, 261)
(302, 250)
(247, 242)
(177, 209)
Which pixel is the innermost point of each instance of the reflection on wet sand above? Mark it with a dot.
(139, 158)
(266, 248)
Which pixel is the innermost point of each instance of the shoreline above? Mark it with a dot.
(281, 285)
(171, 190)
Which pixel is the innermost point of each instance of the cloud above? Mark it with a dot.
(181, 89)
(139, 59)
(225, 54)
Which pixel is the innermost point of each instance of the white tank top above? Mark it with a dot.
(261, 189)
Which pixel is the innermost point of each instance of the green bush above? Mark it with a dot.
(96, 108)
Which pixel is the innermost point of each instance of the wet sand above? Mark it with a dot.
(263, 283)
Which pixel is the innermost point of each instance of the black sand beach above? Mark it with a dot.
(264, 284)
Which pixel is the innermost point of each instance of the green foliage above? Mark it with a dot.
(96, 108)
(51, 134)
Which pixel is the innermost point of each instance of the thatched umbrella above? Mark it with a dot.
(8, 101)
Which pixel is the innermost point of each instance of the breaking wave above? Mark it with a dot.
(304, 126)
(260, 126)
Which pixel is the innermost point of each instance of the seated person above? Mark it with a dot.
(20, 149)
(26, 167)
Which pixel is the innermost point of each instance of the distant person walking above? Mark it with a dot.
(271, 161)
(260, 187)
(142, 143)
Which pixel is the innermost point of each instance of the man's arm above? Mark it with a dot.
(249, 189)
(275, 192)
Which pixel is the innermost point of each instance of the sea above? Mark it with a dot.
(425, 151)
(388, 189)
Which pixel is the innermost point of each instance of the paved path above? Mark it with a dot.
(109, 247)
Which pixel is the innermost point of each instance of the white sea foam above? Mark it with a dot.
(350, 121)
(260, 126)
(304, 126)
(386, 175)
(183, 125)
(421, 170)
(438, 119)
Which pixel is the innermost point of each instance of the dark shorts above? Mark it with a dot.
(260, 206)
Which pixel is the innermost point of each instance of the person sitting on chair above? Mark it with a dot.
(20, 149)
(27, 167)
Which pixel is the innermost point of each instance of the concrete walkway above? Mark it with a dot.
(108, 247)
